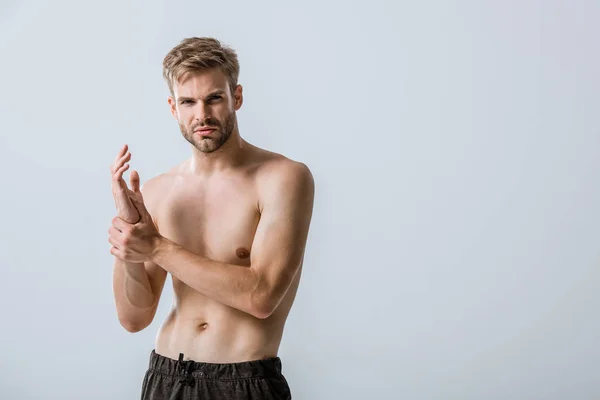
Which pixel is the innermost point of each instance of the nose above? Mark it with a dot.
(201, 111)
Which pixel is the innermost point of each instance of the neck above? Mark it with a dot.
(226, 157)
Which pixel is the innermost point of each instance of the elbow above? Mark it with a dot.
(263, 312)
(133, 326)
(265, 298)
(260, 307)
(265, 307)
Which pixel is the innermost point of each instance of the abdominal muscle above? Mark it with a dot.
(207, 331)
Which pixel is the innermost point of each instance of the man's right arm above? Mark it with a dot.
(137, 287)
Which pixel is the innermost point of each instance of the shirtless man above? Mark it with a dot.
(229, 224)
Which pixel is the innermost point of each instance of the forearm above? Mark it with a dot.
(229, 284)
(133, 294)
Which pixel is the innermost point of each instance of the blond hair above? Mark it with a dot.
(198, 54)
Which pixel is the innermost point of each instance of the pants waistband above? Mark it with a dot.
(268, 367)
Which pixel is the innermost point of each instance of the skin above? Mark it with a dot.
(229, 224)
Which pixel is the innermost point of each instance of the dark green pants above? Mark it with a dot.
(171, 379)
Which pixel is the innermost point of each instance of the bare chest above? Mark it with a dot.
(217, 221)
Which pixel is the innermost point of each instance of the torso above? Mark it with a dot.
(216, 217)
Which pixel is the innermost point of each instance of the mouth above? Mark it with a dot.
(204, 131)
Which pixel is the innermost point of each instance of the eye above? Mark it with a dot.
(186, 101)
(214, 98)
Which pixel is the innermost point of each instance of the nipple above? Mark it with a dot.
(242, 253)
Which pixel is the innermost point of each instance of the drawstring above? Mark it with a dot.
(184, 369)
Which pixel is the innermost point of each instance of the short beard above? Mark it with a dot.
(209, 144)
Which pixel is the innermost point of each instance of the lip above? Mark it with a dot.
(205, 131)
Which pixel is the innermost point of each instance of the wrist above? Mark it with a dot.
(162, 246)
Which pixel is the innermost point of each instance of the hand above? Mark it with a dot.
(138, 242)
(121, 193)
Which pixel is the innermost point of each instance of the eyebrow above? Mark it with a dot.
(215, 93)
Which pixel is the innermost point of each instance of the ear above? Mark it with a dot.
(238, 97)
(172, 106)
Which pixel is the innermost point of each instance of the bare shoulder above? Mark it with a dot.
(279, 176)
(153, 189)
(161, 183)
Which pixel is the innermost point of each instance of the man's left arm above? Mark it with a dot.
(287, 198)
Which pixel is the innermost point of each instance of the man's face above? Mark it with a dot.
(204, 100)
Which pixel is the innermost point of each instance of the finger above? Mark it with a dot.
(116, 252)
(121, 161)
(121, 152)
(119, 174)
(120, 224)
(115, 233)
(140, 206)
(114, 242)
(138, 201)
(134, 179)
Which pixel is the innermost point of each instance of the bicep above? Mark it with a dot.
(282, 232)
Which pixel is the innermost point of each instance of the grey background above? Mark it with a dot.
(454, 249)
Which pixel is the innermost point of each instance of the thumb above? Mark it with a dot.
(138, 203)
(134, 179)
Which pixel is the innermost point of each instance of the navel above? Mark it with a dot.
(242, 253)
(203, 327)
